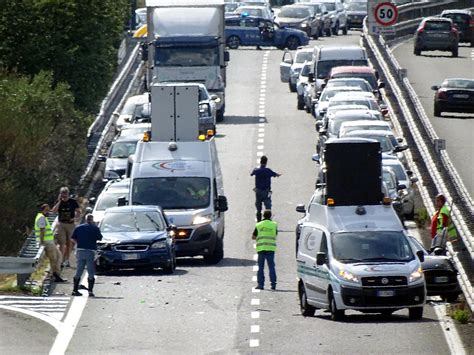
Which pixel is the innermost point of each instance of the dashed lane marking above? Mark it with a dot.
(255, 314)
(255, 302)
(254, 343)
(255, 329)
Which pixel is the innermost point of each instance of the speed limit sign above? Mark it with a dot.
(386, 14)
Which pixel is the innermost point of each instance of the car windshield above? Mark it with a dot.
(306, 70)
(458, 83)
(187, 56)
(357, 6)
(303, 56)
(108, 199)
(360, 102)
(385, 143)
(129, 221)
(131, 131)
(250, 11)
(399, 172)
(330, 6)
(330, 92)
(122, 149)
(388, 179)
(362, 84)
(366, 246)
(294, 12)
(370, 78)
(437, 26)
(348, 129)
(172, 192)
(325, 66)
(231, 6)
(131, 103)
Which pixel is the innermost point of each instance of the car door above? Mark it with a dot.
(310, 241)
(322, 271)
(285, 65)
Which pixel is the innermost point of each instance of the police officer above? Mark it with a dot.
(263, 186)
(265, 234)
(44, 235)
(442, 219)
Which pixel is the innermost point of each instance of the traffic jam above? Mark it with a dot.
(346, 249)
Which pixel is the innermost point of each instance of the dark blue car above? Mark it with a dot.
(256, 31)
(136, 237)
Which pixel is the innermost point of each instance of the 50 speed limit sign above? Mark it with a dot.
(386, 14)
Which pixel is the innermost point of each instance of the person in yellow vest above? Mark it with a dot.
(265, 235)
(442, 219)
(44, 234)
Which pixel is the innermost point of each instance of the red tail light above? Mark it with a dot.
(420, 30)
(443, 95)
(471, 23)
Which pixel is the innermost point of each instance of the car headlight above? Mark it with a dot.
(416, 275)
(202, 219)
(159, 244)
(304, 25)
(346, 275)
(204, 110)
(110, 174)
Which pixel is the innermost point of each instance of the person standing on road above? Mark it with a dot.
(86, 236)
(442, 219)
(68, 211)
(263, 186)
(265, 235)
(44, 234)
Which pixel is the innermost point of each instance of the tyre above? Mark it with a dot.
(233, 42)
(437, 111)
(336, 314)
(306, 309)
(335, 30)
(387, 313)
(299, 102)
(344, 30)
(291, 86)
(218, 253)
(472, 44)
(451, 297)
(415, 313)
(417, 51)
(169, 269)
(327, 32)
(220, 115)
(455, 52)
(292, 43)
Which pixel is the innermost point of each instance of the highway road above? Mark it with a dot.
(205, 309)
(429, 69)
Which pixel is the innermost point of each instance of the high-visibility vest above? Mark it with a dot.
(48, 231)
(452, 234)
(266, 235)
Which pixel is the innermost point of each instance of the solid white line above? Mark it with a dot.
(255, 314)
(254, 329)
(254, 278)
(26, 298)
(254, 343)
(45, 318)
(38, 302)
(449, 330)
(262, 85)
(255, 268)
(255, 302)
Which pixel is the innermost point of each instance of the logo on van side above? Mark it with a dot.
(171, 165)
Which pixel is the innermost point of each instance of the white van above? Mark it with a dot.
(185, 179)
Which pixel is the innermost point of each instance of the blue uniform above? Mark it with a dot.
(263, 188)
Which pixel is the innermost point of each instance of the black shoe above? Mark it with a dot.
(82, 287)
(258, 48)
(58, 279)
(259, 288)
(274, 288)
(76, 293)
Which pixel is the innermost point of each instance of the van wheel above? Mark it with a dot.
(218, 253)
(336, 314)
(387, 313)
(233, 42)
(451, 297)
(306, 309)
(437, 111)
(299, 102)
(417, 51)
(415, 313)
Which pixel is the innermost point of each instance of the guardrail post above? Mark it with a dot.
(21, 279)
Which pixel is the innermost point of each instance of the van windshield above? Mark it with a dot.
(325, 66)
(172, 192)
(187, 56)
(371, 246)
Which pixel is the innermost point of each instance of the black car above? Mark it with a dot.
(464, 22)
(454, 95)
(440, 274)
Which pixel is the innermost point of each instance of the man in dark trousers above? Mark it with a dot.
(265, 234)
(86, 236)
(263, 186)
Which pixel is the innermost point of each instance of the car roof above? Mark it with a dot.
(353, 113)
(373, 132)
(352, 69)
(347, 78)
(458, 11)
(335, 52)
(354, 94)
(134, 208)
(366, 122)
(437, 19)
(117, 184)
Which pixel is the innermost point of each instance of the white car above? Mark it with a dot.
(109, 196)
(290, 68)
(301, 84)
(364, 126)
(129, 109)
(135, 129)
(321, 104)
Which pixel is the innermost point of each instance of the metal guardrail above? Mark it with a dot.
(423, 136)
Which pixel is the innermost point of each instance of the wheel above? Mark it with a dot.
(472, 44)
(218, 253)
(220, 115)
(387, 313)
(233, 42)
(292, 43)
(415, 313)
(327, 32)
(307, 109)
(344, 30)
(417, 51)
(335, 30)
(336, 314)
(291, 86)
(451, 297)
(300, 102)
(169, 269)
(437, 111)
(455, 52)
(306, 309)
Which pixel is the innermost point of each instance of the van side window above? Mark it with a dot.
(313, 240)
(215, 188)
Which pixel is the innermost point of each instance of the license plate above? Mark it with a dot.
(130, 256)
(461, 96)
(441, 279)
(385, 293)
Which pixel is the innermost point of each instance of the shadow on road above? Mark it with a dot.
(441, 56)
(226, 262)
(241, 120)
(375, 318)
(144, 272)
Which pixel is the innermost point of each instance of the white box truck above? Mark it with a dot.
(187, 44)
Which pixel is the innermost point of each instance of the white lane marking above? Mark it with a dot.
(254, 278)
(255, 290)
(262, 85)
(260, 140)
(254, 343)
(261, 135)
(255, 329)
(449, 330)
(261, 115)
(255, 314)
(255, 268)
(261, 126)
(255, 302)
(261, 120)
(260, 147)
(261, 130)
(262, 112)
(259, 154)
(255, 257)
(45, 318)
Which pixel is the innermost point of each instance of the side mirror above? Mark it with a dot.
(300, 209)
(400, 139)
(318, 125)
(122, 201)
(226, 56)
(311, 77)
(89, 210)
(318, 93)
(414, 179)
(381, 85)
(215, 98)
(92, 201)
(420, 255)
(316, 158)
(144, 51)
(435, 87)
(400, 148)
(288, 61)
(221, 203)
(320, 258)
(171, 227)
(101, 158)
(325, 13)
(401, 187)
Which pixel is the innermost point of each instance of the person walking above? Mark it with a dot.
(68, 211)
(86, 236)
(44, 235)
(265, 235)
(442, 219)
(263, 186)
